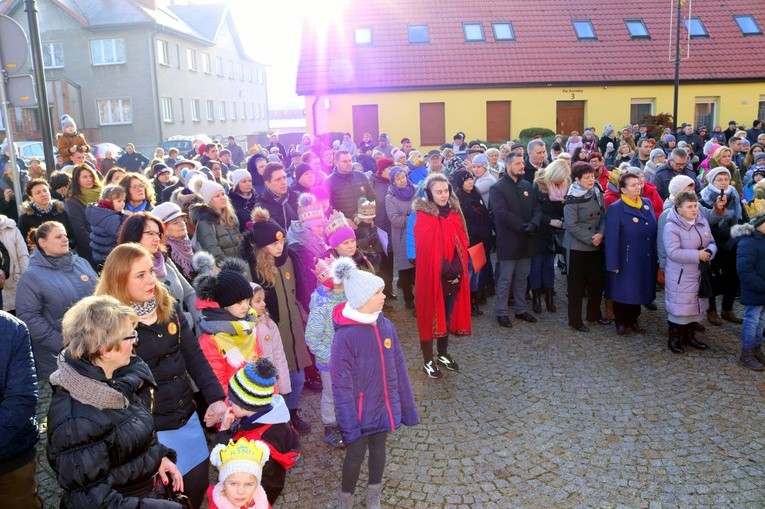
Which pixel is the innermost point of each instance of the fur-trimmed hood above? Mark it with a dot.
(200, 211)
(431, 208)
(185, 199)
(29, 210)
(742, 230)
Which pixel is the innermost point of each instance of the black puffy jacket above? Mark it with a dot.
(105, 458)
(172, 353)
(345, 189)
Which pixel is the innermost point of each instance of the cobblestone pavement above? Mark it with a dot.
(541, 416)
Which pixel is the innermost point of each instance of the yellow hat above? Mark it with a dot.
(244, 456)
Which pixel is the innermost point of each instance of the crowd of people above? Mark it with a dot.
(182, 304)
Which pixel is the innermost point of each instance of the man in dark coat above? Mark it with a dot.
(276, 197)
(755, 132)
(131, 160)
(237, 154)
(346, 186)
(676, 165)
(692, 139)
(517, 217)
(536, 161)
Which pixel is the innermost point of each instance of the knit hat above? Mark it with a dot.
(669, 138)
(656, 152)
(310, 212)
(264, 230)
(481, 159)
(711, 174)
(608, 129)
(367, 209)
(273, 158)
(338, 230)
(301, 169)
(678, 184)
(167, 211)
(459, 177)
(359, 285)
(67, 121)
(459, 135)
(758, 170)
(252, 387)
(160, 168)
(188, 175)
(205, 188)
(759, 157)
(383, 163)
(240, 457)
(587, 132)
(238, 175)
(395, 171)
(227, 287)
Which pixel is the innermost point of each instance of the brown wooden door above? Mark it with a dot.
(497, 121)
(432, 124)
(365, 121)
(570, 115)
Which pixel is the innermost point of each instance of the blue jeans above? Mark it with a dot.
(512, 273)
(542, 271)
(754, 324)
(297, 379)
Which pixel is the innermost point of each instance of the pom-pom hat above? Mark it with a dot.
(67, 121)
(360, 286)
(310, 211)
(237, 175)
(227, 287)
(264, 230)
(252, 387)
(205, 188)
(240, 457)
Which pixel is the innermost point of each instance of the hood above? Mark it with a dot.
(28, 209)
(96, 215)
(7, 222)
(431, 208)
(185, 199)
(742, 230)
(58, 263)
(201, 211)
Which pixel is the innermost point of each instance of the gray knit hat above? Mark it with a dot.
(656, 152)
(359, 285)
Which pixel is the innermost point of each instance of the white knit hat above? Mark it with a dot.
(710, 176)
(238, 175)
(242, 456)
(205, 188)
(360, 286)
(678, 184)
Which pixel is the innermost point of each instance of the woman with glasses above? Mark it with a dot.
(56, 279)
(170, 349)
(139, 192)
(101, 439)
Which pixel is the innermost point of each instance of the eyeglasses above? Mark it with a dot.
(136, 187)
(151, 233)
(133, 337)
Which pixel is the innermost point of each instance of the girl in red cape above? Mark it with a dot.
(442, 286)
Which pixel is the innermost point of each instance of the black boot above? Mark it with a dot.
(299, 424)
(689, 337)
(550, 301)
(674, 343)
(536, 301)
(480, 297)
(474, 311)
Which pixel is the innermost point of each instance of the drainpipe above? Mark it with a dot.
(313, 113)
(155, 87)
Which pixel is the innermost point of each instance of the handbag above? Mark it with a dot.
(451, 275)
(556, 242)
(165, 492)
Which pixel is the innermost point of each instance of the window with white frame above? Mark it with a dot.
(761, 108)
(222, 109)
(167, 109)
(244, 110)
(181, 116)
(231, 73)
(195, 109)
(114, 111)
(178, 56)
(252, 111)
(219, 66)
(53, 55)
(363, 36)
(705, 112)
(241, 71)
(210, 109)
(206, 65)
(163, 52)
(639, 108)
(107, 51)
(191, 59)
(233, 110)
(249, 74)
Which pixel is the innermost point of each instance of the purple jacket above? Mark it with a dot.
(682, 242)
(370, 384)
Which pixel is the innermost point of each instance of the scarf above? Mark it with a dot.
(159, 265)
(181, 252)
(85, 389)
(41, 210)
(358, 316)
(403, 193)
(88, 196)
(577, 191)
(136, 208)
(242, 337)
(147, 312)
(636, 203)
(556, 192)
(259, 499)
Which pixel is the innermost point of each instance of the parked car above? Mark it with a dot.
(183, 143)
(26, 150)
(99, 151)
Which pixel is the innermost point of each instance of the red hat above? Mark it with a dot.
(382, 164)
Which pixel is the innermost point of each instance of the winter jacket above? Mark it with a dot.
(32, 218)
(105, 458)
(380, 186)
(370, 383)
(398, 211)
(665, 173)
(132, 162)
(182, 291)
(631, 249)
(45, 292)
(483, 184)
(18, 395)
(514, 208)
(733, 214)
(320, 329)
(308, 247)
(75, 210)
(480, 224)
(243, 207)
(712, 218)
(211, 235)
(270, 342)
(750, 264)
(173, 354)
(104, 225)
(65, 142)
(18, 256)
(369, 243)
(584, 215)
(549, 210)
(682, 242)
(345, 189)
(279, 208)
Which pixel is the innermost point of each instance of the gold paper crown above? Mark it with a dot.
(251, 451)
(336, 221)
(323, 269)
(756, 208)
(367, 209)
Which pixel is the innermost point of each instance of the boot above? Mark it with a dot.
(714, 318)
(749, 361)
(301, 426)
(608, 309)
(550, 301)
(730, 316)
(474, 311)
(536, 301)
(674, 343)
(373, 496)
(345, 501)
(480, 297)
(689, 338)
(759, 355)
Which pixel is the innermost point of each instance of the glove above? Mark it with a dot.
(529, 229)
(235, 358)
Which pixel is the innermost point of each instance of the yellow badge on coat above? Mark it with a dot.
(267, 338)
(287, 276)
(635, 220)
(172, 328)
(84, 278)
(387, 342)
(279, 235)
(645, 207)
(525, 193)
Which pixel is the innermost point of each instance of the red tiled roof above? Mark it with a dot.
(546, 49)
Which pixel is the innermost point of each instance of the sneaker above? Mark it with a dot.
(432, 370)
(313, 384)
(446, 361)
(333, 437)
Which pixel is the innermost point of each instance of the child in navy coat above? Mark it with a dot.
(105, 220)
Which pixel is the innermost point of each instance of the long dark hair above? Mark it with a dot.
(74, 186)
(133, 227)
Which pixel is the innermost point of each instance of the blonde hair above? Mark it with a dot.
(492, 151)
(556, 173)
(112, 192)
(227, 215)
(114, 277)
(95, 323)
(265, 265)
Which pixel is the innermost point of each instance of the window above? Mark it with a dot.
(53, 55)
(241, 71)
(252, 111)
(637, 28)
(249, 74)
(231, 69)
(473, 32)
(167, 109)
(503, 31)
(206, 66)
(107, 51)
(418, 34)
(233, 110)
(640, 108)
(210, 109)
(262, 110)
(705, 111)
(761, 109)
(363, 36)
(163, 52)
(114, 111)
(695, 27)
(748, 26)
(191, 58)
(195, 107)
(178, 56)
(584, 30)
(432, 124)
(219, 66)
(244, 110)
(222, 110)
(181, 118)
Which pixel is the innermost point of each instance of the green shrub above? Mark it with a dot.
(533, 132)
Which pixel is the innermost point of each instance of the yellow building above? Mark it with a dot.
(426, 70)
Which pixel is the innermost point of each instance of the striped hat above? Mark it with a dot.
(252, 387)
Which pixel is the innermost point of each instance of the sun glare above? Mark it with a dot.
(323, 14)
